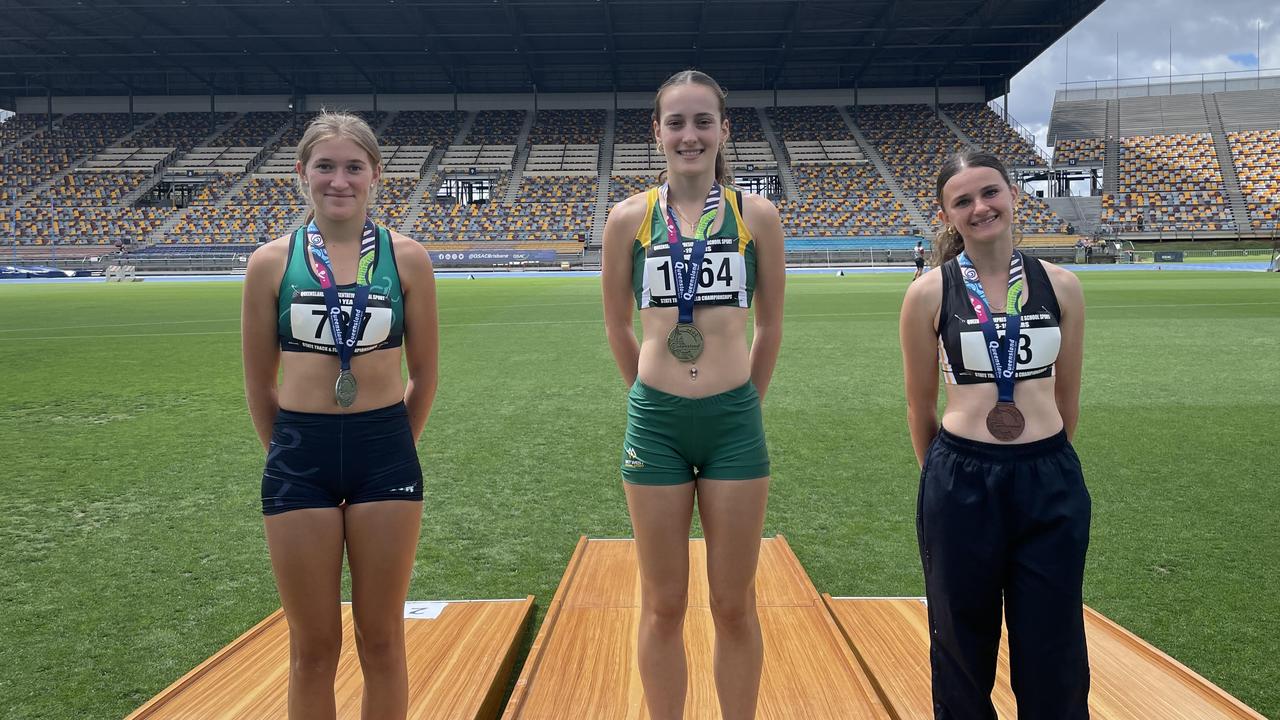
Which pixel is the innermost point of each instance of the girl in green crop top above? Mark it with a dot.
(695, 256)
(331, 309)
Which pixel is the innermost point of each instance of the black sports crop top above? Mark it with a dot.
(962, 347)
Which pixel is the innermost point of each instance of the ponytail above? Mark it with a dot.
(947, 244)
(724, 174)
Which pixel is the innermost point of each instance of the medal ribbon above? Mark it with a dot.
(344, 338)
(1003, 371)
(686, 271)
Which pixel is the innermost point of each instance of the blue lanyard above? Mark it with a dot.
(998, 347)
(686, 273)
(345, 335)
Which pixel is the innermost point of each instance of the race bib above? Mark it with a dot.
(309, 323)
(1037, 349)
(722, 273)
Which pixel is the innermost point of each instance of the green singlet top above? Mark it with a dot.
(303, 324)
(728, 275)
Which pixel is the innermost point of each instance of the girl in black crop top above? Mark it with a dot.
(1003, 513)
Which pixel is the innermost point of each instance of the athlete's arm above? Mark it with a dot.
(919, 337)
(771, 278)
(259, 344)
(421, 329)
(615, 281)
(1070, 362)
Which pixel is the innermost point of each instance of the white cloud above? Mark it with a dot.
(1201, 43)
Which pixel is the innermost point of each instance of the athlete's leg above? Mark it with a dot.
(732, 513)
(382, 538)
(962, 537)
(306, 555)
(1048, 657)
(660, 518)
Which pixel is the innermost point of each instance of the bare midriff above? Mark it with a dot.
(725, 362)
(968, 405)
(308, 379)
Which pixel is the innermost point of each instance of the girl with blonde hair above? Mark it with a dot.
(336, 305)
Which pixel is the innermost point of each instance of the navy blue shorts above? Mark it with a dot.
(321, 460)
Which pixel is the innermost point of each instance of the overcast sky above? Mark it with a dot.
(1208, 37)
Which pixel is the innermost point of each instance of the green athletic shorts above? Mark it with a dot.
(673, 440)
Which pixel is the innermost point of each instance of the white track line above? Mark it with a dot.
(525, 322)
(137, 324)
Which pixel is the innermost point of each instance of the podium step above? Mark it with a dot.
(460, 656)
(1130, 679)
(583, 662)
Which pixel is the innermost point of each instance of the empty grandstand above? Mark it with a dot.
(487, 156)
(507, 177)
(1175, 159)
(1194, 165)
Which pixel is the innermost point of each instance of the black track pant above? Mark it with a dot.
(1011, 523)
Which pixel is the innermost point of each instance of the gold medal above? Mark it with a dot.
(685, 342)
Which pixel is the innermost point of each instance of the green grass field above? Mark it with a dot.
(133, 545)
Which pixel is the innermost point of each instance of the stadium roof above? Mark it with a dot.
(185, 47)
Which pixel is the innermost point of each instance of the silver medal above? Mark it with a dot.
(344, 390)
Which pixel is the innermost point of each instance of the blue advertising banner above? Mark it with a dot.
(37, 271)
(492, 257)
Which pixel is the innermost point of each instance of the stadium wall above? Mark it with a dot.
(66, 105)
(1151, 86)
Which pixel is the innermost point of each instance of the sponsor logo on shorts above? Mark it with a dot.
(632, 460)
(406, 488)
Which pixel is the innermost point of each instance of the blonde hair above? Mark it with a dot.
(724, 175)
(327, 126)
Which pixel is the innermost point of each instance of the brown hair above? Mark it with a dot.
(724, 175)
(327, 126)
(949, 242)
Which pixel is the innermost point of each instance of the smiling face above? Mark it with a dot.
(690, 128)
(338, 177)
(979, 202)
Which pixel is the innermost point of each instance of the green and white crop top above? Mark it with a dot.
(728, 275)
(303, 325)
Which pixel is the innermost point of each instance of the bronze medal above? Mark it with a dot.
(1005, 421)
(685, 342)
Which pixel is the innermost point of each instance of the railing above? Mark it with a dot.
(1258, 255)
(1129, 231)
(233, 263)
(1021, 130)
(890, 257)
(1190, 84)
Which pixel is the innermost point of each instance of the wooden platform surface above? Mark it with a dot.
(1130, 679)
(583, 662)
(459, 665)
